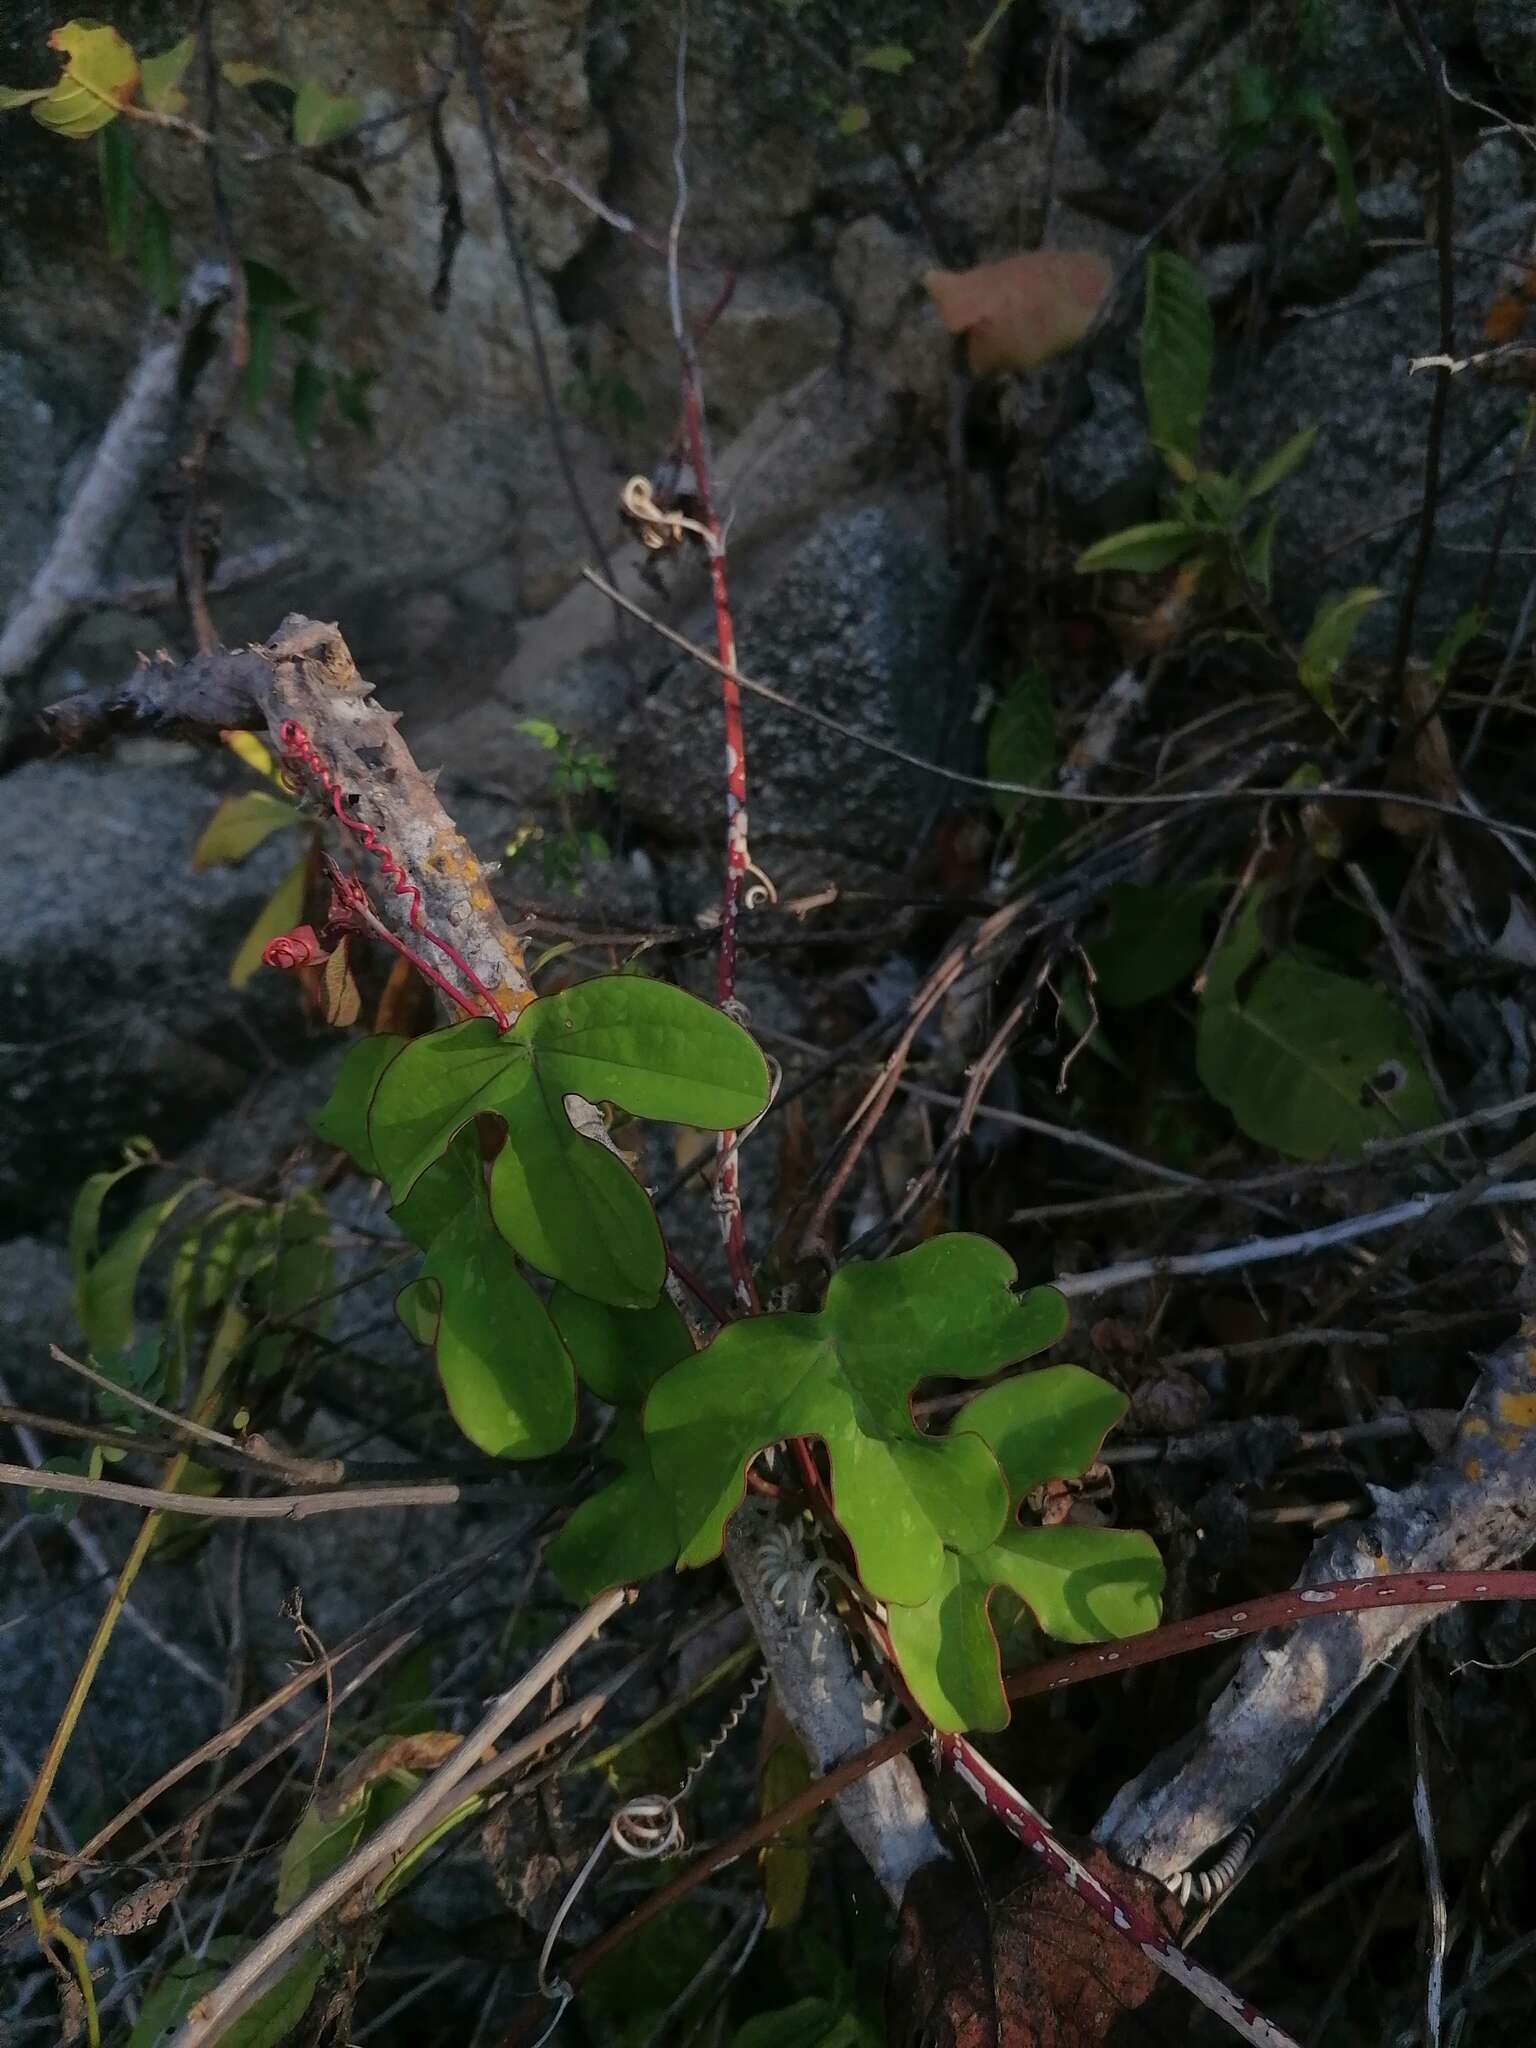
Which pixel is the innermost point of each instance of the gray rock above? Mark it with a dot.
(995, 196)
(1104, 469)
(1228, 266)
(1152, 73)
(1103, 21)
(1353, 507)
(115, 1012)
(1490, 178)
(1506, 38)
(1329, 256)
(877, 273)
(857, 619)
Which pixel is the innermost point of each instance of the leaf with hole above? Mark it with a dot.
(1177, 349)
(626, 1531)
(1328, 642)
(1307, 1060)
(846, 1375)
(1156, 545)
(564, 1202)
(99, 78)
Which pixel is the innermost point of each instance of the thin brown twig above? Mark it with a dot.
(1429, 62)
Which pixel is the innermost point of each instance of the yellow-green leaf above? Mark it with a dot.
(854, 119)
(240, 825)
(320, 116)
(281, 913)
(240, 71)
(1328, 641)
(99, 78)
(160, 77)
(892, 58)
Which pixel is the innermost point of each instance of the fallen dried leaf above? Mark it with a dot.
(1018, 313)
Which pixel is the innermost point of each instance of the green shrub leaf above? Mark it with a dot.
(1306, 1060)
(240, 825)
(1328, 642)
(846, 1375)
(1155, 940)
(1286, 458)
(1177, 349)
(1021, 739)
(1144, 548)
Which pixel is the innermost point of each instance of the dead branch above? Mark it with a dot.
(1469, 1512)
(71, 574)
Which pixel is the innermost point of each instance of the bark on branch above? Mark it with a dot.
(69, 578)
(1471, 1511)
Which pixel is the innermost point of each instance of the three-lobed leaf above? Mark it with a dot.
(564, 1202)
(1081, 1585)
(845, 1375)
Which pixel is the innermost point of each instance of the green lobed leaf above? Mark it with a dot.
(1177, 350)
(564, 1202)
(846, 1375)
(1155, 941)
(240, 825)
(1328, 642)
(1307, 1060)
(1156, 545)
(343, 1119)
(1081, 1585)
(626, 1532)
(505, 1373)
(1046, 1424)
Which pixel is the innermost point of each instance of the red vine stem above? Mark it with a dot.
(299, 750)
(1009, 1805)
(1077, 1667)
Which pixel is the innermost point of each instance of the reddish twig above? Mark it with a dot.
(1078, 1667)
(1021, 1820)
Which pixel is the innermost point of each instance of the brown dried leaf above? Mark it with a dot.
(1018, 313)
(1034, 1969)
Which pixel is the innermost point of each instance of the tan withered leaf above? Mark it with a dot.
(1017, 313)
(1036, 1968)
